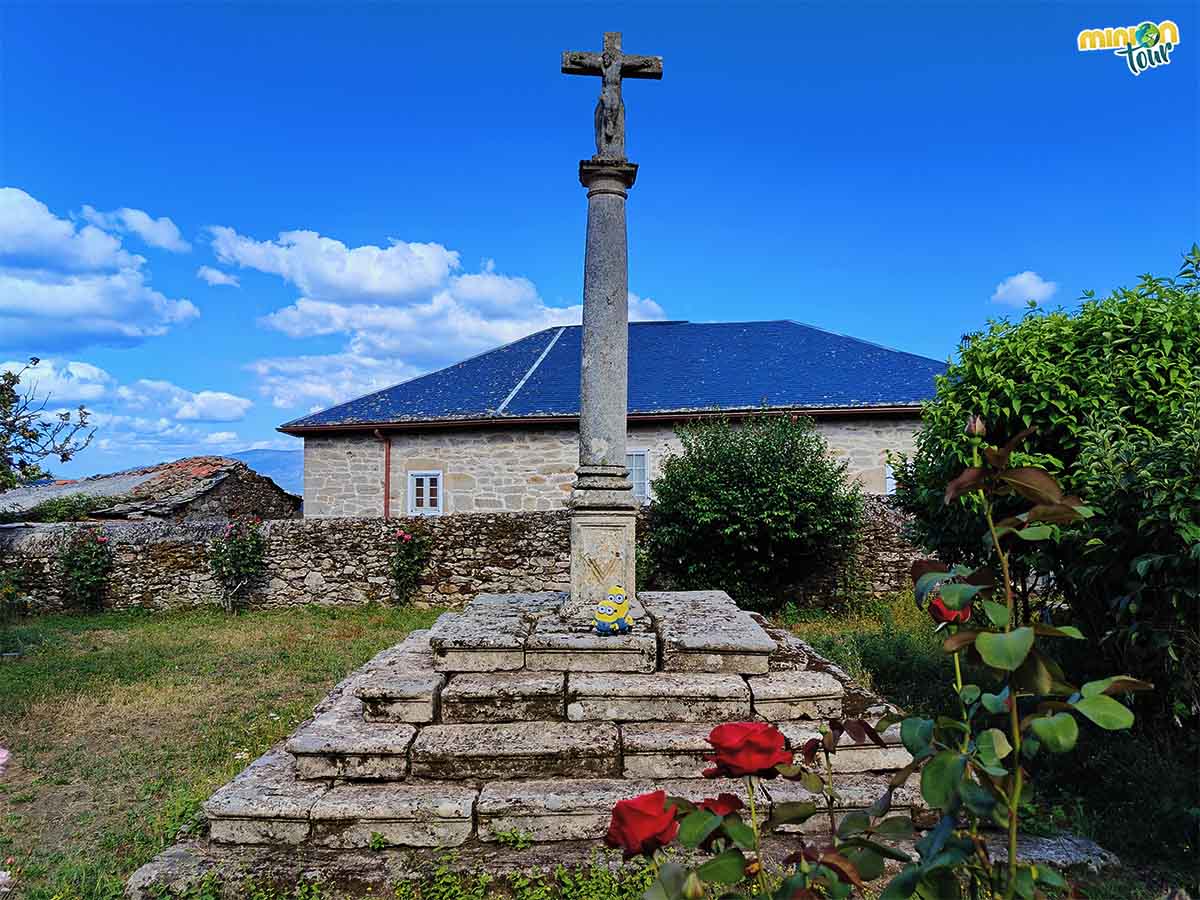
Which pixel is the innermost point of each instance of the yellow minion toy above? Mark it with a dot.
(612, 614)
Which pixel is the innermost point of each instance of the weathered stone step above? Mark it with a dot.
(489, 634)
(562, 810)
(504, 697)
(656, 750)
(399, 694)
(517, 750)
(268, 804)
(787, 695)
(553, 646)
(661, 697)
(339, 743)
(704, 631)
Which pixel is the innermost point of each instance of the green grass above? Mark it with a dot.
(121, 724)
(1136, 793)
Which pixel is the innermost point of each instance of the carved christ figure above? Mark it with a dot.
(612, 66)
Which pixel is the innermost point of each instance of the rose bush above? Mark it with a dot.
(642, 824)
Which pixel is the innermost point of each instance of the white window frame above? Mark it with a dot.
(645, 455)
(411, 493)
(889, 480)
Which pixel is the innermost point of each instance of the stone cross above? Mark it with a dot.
(603, 507)
(612, 65)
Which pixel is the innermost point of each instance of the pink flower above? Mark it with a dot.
(4, 755)
(407, 537)
(102, 540)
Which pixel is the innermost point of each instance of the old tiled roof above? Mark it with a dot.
(148, 491)
(674, 367)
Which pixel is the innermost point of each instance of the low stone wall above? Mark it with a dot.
(165, 566)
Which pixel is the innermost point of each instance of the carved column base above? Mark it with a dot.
(603, 535)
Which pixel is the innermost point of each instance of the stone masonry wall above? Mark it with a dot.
(526, 469)
(164, 566)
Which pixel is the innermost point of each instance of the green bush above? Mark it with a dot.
(85, 563)
(238, 560)
(409, 558)
(1112, 388)
(68, 508)
(752, 509)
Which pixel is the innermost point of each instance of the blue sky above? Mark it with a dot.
(393, 187)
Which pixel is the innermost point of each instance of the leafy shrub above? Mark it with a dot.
(409, 558)
(68, 508)
(753, 509)
(1112, 388)
(238, 560)
(12, 595)
(85, 563)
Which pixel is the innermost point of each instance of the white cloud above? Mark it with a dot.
(326, 268)
(160, 232)
(222, 437)
(63, 286)
(59, 381)
(216, 277)
(185, 405)
(1017, 290)
(327, 379)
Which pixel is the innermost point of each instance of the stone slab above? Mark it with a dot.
(705, 631)
(425, 815)
(265, 804)
(657, 750)
(504, 697)
(571, 810)
(852, 756)
(854, 792)
(781, 696)
(341, 744)
(516, 750)
(399, 695)
(554, 646)
(662, 697)
(489, 634)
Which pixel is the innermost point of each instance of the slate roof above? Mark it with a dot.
(674, 367)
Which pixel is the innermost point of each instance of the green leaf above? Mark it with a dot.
(697, 826)
(977, 798)
(866, 861)
(995, 703)
(902, 886)
(792, 813)
(916, 734)
(997, 613)
(1049, 876)
(993, 746)
(1069, 631)
(1117, 684)
(1058, 732)
(1105, 712)
(669, 885)
(1033, 483)
(956, 596)
(895, 827)
(1005, 651)
(927, 583)
(738, 832)
(970, 692)
(940, 778)
(853, 823)
(1035, 533)
(724, 868)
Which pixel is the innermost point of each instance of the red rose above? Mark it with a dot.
(723, 805)
(747, 748)
(942, 613)
(642, 824)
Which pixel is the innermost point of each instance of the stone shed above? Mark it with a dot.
(194, 489)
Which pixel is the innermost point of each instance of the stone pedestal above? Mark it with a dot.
(603, 506)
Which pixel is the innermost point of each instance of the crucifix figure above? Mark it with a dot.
(612, 65)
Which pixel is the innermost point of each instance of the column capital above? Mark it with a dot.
(610, 174)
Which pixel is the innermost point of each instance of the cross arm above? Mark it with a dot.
(577, 62)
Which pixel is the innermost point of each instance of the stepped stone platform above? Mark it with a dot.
(502, 719)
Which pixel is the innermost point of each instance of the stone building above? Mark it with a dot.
(194, 489)
(499, 431)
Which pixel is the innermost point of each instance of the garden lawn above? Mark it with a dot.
(1134, 793)
(122, 724)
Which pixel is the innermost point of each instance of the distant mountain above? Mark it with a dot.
(284, 467)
